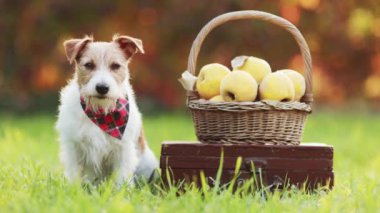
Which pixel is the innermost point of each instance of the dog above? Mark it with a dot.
(99, 124)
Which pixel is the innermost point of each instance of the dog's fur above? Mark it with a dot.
(88, 153)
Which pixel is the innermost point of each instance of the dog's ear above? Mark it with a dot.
(129, 45)
(74, 47)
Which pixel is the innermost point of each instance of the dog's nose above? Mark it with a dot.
(102, 89)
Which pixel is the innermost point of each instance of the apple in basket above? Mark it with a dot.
(209, 78)
(298, 82)
(217, 98)
(257, 67)
(277, 86)
(238, 86)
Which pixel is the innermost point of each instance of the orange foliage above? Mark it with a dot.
(290, 12)
(325, 89)
(147, 16)
(297, 63)
(375, 64)
(309, 4)
(344, 39)
(372, 87)
(47, 77)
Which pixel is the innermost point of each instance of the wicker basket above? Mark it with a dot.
(260, 122)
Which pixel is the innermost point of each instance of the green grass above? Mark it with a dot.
(31, 177)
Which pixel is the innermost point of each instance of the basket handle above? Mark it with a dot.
(248, 14)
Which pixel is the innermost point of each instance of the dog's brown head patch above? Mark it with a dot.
(85, 71)
(103, 57)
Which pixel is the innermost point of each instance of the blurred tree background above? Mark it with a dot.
(344, 37)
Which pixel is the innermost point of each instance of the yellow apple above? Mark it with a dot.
(298, 82)
(238, 86)
(257, 67)
(209, 78)
(277, 87)
(217, 98)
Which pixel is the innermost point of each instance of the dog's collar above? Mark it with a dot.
(113, 122)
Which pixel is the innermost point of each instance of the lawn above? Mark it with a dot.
(31, 177)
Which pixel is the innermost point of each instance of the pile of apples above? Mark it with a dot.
(252, 80)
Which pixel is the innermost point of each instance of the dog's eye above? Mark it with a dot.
(115, 66)
(89, 65)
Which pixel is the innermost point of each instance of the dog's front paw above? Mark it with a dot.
(125, 181)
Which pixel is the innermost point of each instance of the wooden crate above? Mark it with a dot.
(309, 165)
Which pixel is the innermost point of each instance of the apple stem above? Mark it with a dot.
(231, 95)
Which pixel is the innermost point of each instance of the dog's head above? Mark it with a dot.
(102, 67)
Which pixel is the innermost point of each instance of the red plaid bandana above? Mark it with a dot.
(114, 122)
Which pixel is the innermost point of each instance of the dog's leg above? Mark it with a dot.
(148, 166)
(125, 165)
(69, 157)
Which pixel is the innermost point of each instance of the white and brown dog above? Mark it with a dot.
(99, 124)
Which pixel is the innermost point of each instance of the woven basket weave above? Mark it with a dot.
(261, 122)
